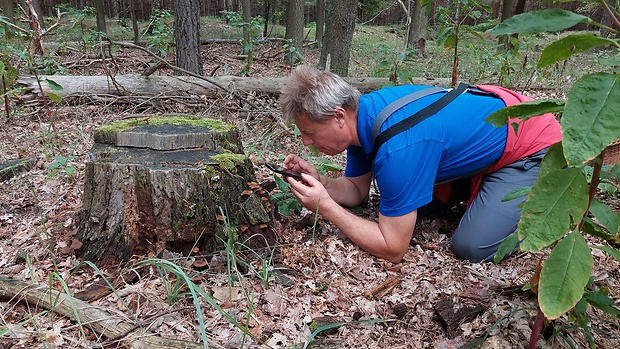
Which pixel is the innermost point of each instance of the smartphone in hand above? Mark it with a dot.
(285, 172)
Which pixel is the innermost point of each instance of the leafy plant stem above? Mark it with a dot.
(596, 175)
(46, 105)
(536, 330)
(7, 107)
(611, 14)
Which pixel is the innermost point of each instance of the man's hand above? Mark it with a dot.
(296, 163)
(310, 192)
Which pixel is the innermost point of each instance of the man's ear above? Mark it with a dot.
(340, 115)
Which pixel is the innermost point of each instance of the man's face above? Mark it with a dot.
(329, 137)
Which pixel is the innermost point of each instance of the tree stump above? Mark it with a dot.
(156, 184)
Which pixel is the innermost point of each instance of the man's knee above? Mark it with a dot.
(466, 250)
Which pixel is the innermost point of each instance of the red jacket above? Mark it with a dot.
(533, 135)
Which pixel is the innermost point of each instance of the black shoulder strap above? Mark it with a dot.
(416, 118)
(399, 103)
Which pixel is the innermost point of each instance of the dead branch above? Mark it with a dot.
(100, 321)
(385, 287)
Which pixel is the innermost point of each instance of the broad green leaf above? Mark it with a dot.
(557, 201)
(525, 111)
(564, 276)
(507, 246)
(53, 85)
(610, 250)
(566, 47)
(554, 160)
(581, 307)
(591, 117)
(603, 301)
(450, 41)
(54, 97)
(612, 62)
(605, 216)
(551, 20)
(590, 227)
(611, 172)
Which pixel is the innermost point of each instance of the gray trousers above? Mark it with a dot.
(488, 221)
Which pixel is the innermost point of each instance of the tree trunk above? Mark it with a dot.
(187, 35)
(320, 21)
(161, 184)
(294, 29)
(134, 23)
(100, 8)
(336, 52)
(37, 29)
(8, 10)
(38, 9)
(138, 85)
(246, 8)
(267, 15)
(509, 8)
(417, 29)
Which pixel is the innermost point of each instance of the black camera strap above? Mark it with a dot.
(416, 118)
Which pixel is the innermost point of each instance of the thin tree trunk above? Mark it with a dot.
(134, 23)
(417, 29)
(8, 9)
(320, 21)
(266, 14)
(246, 9)
(100, 8)
(336, 52)
(294, 28)
(187, 35)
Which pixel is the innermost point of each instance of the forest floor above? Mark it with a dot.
(379, 304)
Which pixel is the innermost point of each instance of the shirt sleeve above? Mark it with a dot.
(357, 162)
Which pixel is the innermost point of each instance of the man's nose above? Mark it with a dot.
(306, 140)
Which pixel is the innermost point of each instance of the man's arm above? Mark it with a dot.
(348, 191)
(388, 239)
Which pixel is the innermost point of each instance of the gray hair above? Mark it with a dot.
(316, 94)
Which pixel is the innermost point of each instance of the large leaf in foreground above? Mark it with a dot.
(525, 111)
(551, 20)
(572, 44)
(564, 276)
(556, 202)
(591, 119)
(554, 160)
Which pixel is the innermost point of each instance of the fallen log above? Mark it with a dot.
(135, 84)
(100, 321)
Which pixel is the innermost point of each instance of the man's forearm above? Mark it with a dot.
(344, 191)
(365, 233)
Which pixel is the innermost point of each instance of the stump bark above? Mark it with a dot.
(161, 184)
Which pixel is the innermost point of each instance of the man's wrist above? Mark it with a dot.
(323, 179)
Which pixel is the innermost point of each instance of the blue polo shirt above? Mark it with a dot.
(454, 143)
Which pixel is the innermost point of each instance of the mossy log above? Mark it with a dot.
(111, 327)
(165, 185)
(14, 167)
